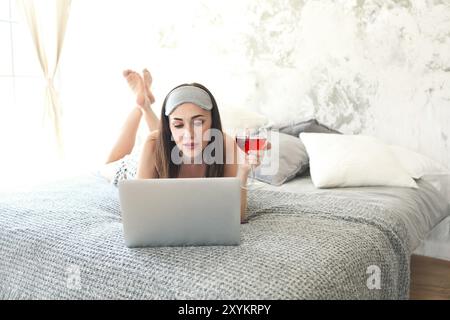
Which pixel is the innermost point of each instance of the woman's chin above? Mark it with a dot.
(191, 154)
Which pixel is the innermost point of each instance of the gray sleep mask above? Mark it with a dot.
(188, 94)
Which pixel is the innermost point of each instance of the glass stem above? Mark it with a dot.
(251, 176)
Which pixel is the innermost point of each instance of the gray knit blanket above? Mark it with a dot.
(65, 241)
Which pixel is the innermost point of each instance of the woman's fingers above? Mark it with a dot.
(253, 158)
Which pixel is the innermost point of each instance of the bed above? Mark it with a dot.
(435, 243)
(64, 240)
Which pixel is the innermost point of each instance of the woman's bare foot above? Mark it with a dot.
(147, 85)
(136, 84)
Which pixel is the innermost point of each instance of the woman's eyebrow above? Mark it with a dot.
(196, 116)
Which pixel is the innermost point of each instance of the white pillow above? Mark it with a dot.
(416, 164)
(338, 160)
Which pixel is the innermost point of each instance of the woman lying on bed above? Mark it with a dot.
(189, 118)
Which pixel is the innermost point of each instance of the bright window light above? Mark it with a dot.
(102, 39)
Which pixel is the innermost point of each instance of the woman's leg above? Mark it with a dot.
(149, 115)
(144, 99)
(125, 142)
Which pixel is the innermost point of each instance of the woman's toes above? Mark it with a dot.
(131, 78)
(127, 72)
(135, 82)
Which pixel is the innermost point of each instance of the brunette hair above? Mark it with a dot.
(165, 168)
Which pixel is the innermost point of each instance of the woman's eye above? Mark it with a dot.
(198, 122)
(178, 125)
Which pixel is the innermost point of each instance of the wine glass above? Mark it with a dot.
(251, 140)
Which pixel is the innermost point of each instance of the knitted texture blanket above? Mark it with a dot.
(65, 241)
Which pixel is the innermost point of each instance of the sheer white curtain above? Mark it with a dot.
(47, 22)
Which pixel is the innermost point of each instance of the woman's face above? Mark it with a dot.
(188, 124)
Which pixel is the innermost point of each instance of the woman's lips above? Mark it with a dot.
(190, 145)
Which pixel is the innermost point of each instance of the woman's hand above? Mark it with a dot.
(253, 158)
(141, 86)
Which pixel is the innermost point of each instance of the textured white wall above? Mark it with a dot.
(378, 67)
(374, 67)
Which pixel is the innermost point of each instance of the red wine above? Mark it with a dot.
(247, 143)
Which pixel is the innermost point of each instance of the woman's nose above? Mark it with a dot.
(188, 133)
(192, 133)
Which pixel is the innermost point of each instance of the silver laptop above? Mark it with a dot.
(180, 212)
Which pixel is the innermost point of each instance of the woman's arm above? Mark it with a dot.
(241, 170)
(242, 174)
(233, 169)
